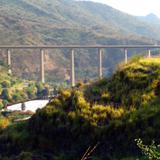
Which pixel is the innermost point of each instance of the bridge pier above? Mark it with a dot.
(126, 55)
(149, 53)
(9, 61)
(100, 63)
(42, 74)
(72, 68)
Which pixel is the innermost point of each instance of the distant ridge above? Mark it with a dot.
(151, 18)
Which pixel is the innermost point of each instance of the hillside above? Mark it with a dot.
(47, 22)
(67, 22)
(111, 113)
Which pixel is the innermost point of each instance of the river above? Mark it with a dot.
(29, 106)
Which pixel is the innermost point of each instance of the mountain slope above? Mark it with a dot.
(67, 22)
(31, 18)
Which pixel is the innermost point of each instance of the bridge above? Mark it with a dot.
(100, 48)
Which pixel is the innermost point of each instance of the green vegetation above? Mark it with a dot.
(14, 90)
(132, 86)
(109, 114)
(151, 151)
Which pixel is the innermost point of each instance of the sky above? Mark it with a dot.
(135, 7)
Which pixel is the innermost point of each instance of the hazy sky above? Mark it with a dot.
(135, 7)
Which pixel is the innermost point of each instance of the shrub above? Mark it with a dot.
(25, 156)
(6, 94)
(6, 84)
(4, 122)
(151, 151)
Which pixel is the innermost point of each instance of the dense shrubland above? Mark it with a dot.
(110, 112)
(133, 85)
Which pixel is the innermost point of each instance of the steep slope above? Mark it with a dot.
(90, 115)
(31, 17)
(67, 22)
(119, 20)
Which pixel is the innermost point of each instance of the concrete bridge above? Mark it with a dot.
(100, 48)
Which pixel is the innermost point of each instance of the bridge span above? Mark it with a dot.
(100, 48)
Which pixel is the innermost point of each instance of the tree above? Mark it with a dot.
(5, 94)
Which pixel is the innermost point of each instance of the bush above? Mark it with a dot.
(4, 122)
(6, 84)
(25, 156)
(151, 151)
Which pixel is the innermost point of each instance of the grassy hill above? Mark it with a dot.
(68, 22)
(111, 113)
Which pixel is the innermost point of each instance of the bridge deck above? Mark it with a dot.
(74, 46)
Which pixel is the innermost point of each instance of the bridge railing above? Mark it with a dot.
(100, 48)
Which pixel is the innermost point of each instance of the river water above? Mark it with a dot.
(29, 106)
